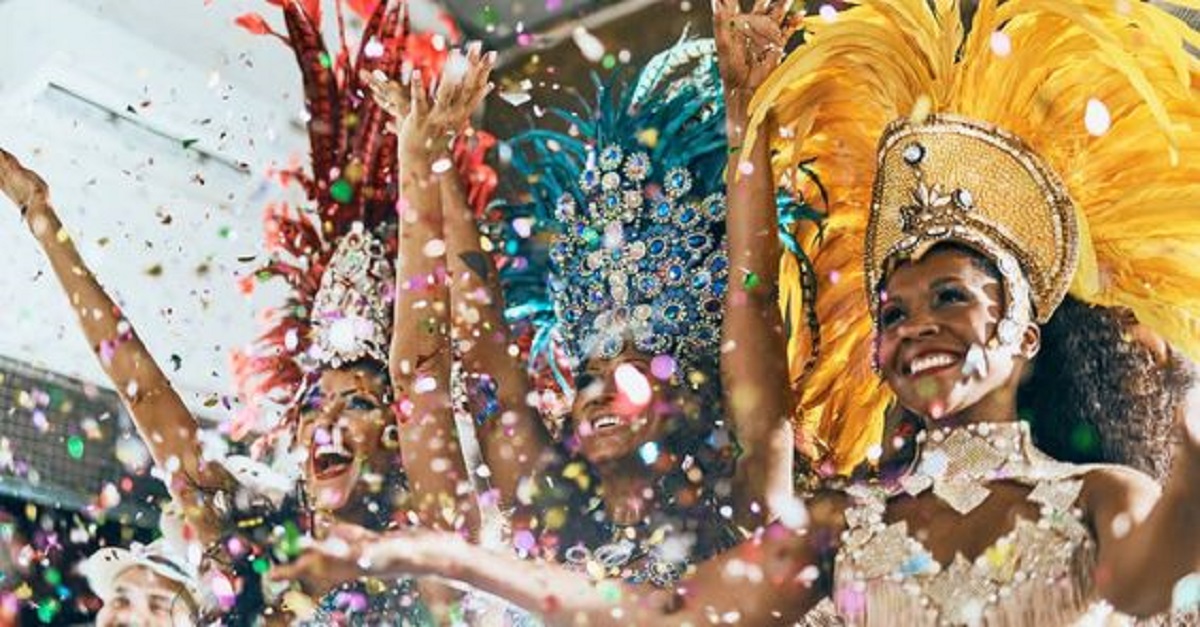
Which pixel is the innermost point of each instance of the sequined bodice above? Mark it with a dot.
(369, 605)
(1036, 574)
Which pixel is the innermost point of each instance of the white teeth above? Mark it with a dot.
(605, 422)
(928, 362)
(332, 448)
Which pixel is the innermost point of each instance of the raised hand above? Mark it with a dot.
(349, 552)
(749, 44)
(389, 94)
(329, 562)
(427, 123)
(22, 185)
(463, 87)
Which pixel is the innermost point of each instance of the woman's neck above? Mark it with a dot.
(999, 406)
(360, 513)
(628, 491)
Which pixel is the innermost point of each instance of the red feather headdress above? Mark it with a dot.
(352, 177)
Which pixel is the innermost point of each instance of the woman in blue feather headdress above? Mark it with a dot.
(618, 263)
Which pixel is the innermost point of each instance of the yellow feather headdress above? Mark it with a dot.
(1102, 92)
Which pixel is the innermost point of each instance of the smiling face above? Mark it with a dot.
(937, 324)
(342, 420)
(620, 406)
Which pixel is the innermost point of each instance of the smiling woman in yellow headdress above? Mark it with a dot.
(1102, 94)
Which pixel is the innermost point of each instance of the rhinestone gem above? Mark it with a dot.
(1008, 331)
(634, 199)
(963, 198)
(565, 209)
(589, 180)
(637, 166)
(610, 158)
(914, 153)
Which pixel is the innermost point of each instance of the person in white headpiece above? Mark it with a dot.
(146, 584)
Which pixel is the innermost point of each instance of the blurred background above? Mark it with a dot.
(157, 124)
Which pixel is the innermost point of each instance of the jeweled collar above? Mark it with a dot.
(958, 463)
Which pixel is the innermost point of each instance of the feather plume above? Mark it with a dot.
(1031, 67)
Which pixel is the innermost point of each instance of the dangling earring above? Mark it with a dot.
(390, 438)
(975, 362)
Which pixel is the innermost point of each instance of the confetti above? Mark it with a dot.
(589, 45)
(75, 447)
(1096, 118)
(632, 385)
(341, 191)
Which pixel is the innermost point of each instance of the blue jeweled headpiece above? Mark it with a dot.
(634, 200)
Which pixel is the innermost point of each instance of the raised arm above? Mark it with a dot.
(420, 356)
(511, 434)
(163, 421)
(1148, 539)
(754, 365)
(772, 578)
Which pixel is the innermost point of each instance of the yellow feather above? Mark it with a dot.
(1031, 67)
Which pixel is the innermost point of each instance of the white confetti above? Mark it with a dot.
(374, 49)
(589, 45)
(1001, 44)
(434, 248)
(1096, 118)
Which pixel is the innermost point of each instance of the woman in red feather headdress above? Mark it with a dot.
(329, 352)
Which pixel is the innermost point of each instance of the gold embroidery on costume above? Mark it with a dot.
(1039, 573)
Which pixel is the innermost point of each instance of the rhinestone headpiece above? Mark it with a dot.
(352, 312)
(621, 242)
(639, 259)
(950, 179)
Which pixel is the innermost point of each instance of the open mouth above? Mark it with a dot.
(605, 423)
(930, 363)
(331, 460)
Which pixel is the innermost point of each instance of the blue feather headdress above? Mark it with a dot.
(632, 201)
(623, 240)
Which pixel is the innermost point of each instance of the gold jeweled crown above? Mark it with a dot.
(951, 179)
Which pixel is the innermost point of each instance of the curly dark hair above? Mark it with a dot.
(1094, 393)
(1097, 394)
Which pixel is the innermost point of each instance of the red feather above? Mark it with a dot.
(254, 23)
(364, 8)
(301, 240)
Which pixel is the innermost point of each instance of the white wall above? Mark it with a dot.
(118, 179)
